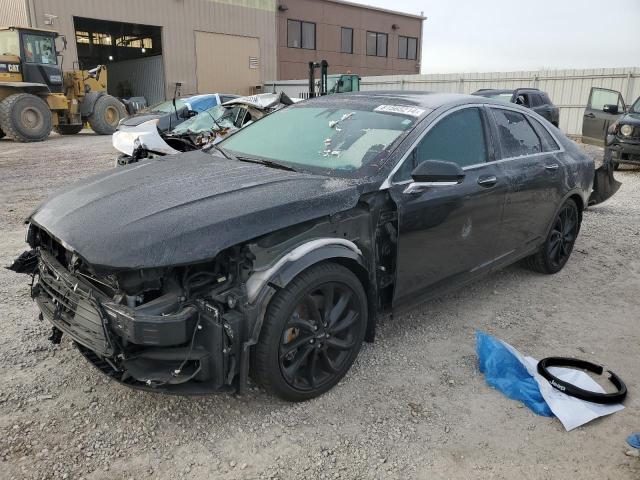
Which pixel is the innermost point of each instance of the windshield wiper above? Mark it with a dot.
(260, 161)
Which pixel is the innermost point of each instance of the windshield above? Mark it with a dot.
(335, 141)
(204, 121)
(39, 49)
(635, 108)
(166, 107)
(9, 44)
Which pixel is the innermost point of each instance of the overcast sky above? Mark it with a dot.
(503, 35)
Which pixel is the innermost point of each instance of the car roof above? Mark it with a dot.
(426, 100)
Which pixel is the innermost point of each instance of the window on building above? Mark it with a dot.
(377, 44)
(301, 34)
(82, 37)
(102, 39)
(347, 40)
(407, 48)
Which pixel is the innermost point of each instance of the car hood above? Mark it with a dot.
(631, 119)
(138, 118)
(185, 209)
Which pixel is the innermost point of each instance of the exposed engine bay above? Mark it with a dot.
(208, 128)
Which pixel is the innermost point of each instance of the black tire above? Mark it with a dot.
(67, 129)
(556, 250)
(25, 117)
(616, 165)
(1, 134)
(305, 348)
(107, 113)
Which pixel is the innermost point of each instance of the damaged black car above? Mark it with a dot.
(274, 254)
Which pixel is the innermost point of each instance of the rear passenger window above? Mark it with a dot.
(457, 138)
(517, 137)
(548, 142)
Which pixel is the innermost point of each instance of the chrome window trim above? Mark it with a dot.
(388, 182)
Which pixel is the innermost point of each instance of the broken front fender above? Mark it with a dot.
(604, 185)
(127, 139)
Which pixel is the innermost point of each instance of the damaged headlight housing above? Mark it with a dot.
(626, 130)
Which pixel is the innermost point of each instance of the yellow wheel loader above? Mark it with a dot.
(37, 97)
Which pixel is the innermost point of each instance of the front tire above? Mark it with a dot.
(312, 333)
(107, 113)
(556, 250)
(25, 117)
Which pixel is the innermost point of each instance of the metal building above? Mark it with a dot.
(226, 46)
(149, 45)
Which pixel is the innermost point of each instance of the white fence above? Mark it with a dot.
(568, 89)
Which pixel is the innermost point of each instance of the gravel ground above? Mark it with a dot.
(413, 406)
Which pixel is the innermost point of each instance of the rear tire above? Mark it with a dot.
(107, 113)
(312, 333)
(616, 165)
(67, 129)
(25, 118)
(556, 250)
(1, 134)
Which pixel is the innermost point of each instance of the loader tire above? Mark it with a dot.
(67, 129)
(107, 113)
(1, 134)
(25, 118)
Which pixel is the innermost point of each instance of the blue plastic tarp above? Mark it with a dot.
(504, 372)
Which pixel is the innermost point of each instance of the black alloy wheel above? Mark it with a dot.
(555, 252)
(312, 334)
(563, 236)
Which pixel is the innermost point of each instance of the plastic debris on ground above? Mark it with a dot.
(517, 377)
(634, 440)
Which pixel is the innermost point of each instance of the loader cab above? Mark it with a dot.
(36, 54)
(343, 83)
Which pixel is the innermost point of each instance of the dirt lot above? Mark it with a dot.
(413, 406)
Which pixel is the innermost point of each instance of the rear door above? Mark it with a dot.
(448, 233)
(596, 121)
(534, 173)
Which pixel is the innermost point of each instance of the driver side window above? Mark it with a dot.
(457, 138)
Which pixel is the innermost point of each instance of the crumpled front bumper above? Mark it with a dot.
(186, 351)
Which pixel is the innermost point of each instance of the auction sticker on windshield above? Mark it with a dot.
(401, 109)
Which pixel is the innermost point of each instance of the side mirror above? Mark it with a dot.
(434, 173)
(610, 109)
(189, 114)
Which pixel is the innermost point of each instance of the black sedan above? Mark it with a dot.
(274, 253)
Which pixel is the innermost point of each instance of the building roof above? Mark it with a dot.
(378, 9)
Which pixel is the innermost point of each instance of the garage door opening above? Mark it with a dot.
(132, 53)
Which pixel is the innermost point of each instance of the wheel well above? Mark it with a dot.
(359, 271)
(578, 199)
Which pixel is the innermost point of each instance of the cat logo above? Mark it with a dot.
(13, 67)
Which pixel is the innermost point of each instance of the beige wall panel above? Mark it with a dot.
(223, 63)
(13, 13)
(179, 19)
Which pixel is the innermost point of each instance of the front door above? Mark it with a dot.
(596, 121)
(448, 233)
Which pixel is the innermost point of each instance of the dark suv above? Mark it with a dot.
(608, 122)
(532, 98)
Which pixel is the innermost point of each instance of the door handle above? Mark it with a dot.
(487, 181)
(551, 167)
(590, 115)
